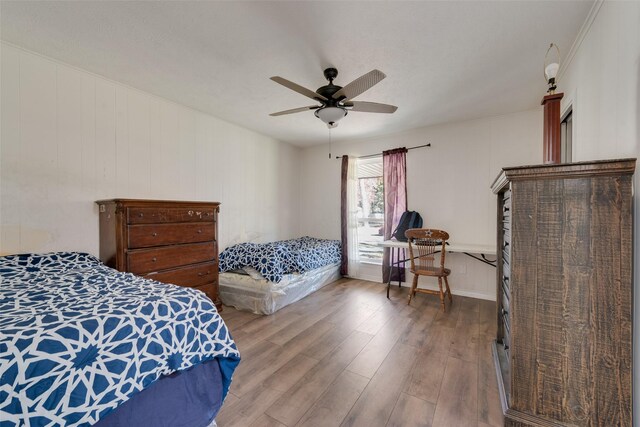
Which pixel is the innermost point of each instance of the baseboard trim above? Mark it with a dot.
(458, 292)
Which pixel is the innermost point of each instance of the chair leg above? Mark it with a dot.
(414, 285)
(441, 293)
(446, 282)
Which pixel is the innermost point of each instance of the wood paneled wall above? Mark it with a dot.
(70, 137)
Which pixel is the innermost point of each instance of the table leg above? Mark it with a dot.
(398, 268)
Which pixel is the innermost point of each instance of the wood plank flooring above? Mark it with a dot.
(347, 356)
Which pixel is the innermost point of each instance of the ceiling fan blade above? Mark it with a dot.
(297, 88)
(295, 110)
(360, 85)
(370, 107)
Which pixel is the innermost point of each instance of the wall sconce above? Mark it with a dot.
(551, 67)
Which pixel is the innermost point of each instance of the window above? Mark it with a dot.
(370, 196)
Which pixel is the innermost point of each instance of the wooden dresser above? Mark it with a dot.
(169, 241)
(564, 289)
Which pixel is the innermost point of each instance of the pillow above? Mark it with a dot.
(255, 274)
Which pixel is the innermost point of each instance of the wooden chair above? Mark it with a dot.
(424, 243)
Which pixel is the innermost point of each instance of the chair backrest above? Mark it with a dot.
(423, 244)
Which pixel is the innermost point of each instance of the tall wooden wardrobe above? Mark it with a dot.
(563, 352)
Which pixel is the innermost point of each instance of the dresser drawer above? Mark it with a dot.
(142, 261)
(191, 276)
(166, 215)
(144, 236)
(210, 289)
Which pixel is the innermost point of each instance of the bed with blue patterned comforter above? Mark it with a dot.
(77, 338)
(275, 259)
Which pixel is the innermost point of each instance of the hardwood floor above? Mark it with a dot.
(347, 356)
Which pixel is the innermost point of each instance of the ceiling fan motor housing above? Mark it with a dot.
(328, 90)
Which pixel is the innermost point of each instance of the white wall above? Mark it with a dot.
(449, 184)
(70, 137)
(602, 81)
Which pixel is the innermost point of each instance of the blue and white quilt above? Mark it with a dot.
(274, 260)
(78, 338)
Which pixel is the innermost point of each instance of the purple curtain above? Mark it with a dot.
(394, 167)
(344, 262)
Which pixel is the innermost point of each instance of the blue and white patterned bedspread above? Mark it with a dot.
(274, 260)
(78, 338)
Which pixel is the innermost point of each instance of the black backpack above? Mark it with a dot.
(409, 219)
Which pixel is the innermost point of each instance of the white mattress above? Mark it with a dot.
(265, 297)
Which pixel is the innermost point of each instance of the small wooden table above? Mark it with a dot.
(468, 249)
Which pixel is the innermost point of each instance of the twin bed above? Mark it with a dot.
(263, 278)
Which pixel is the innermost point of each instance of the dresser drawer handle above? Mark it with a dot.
(190, 213)
(140, 214)
(199, 231)
(154, 234)
(203, 274)
(154, 259)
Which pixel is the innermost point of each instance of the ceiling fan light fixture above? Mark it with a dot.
(330, 115)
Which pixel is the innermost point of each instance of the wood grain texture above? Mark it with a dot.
(426, 375)
(551, 129)
(266, 421)
(173, 241)
(488, 412)
(612, 304)
(419, 331)
(310, 385)
(336, 402)
(464, 344)
(576, 273)
(290, 373)
(458, 400)
(248, 409)
(144, 236)
(374, 406)
(548, 324)
(294, 403)
(523, 387)
(375, 352)
(411, 412)
(571, 294)
(192, 275)
(143, 261)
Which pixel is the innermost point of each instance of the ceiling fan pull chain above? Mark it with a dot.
(330, 143)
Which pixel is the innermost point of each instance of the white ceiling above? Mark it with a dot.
(445, 61)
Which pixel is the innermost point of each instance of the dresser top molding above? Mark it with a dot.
(149, 202)
(564, 170)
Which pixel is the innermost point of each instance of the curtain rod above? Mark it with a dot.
(380, 154)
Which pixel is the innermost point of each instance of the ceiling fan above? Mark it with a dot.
(335, 100)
